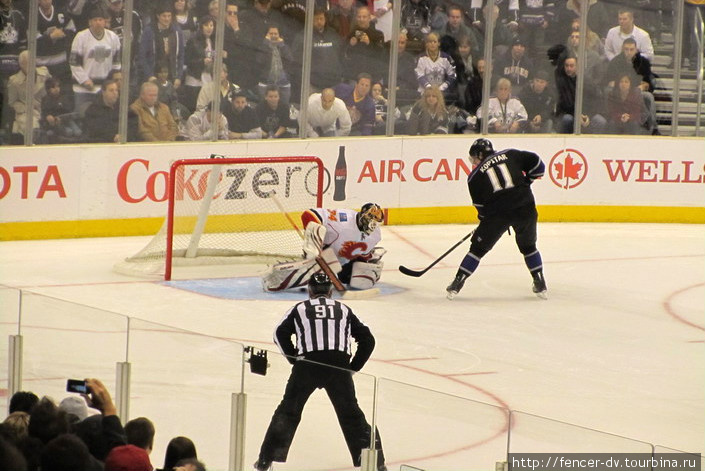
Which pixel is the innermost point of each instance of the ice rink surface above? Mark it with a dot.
(619, 346)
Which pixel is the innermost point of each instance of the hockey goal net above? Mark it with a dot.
(231, 210)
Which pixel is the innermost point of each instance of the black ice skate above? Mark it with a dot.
(262, 466)
(539, 287)
(456, 285)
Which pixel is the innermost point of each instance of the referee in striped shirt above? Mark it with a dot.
(322, 359)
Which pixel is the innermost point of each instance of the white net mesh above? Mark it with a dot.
(233, 211)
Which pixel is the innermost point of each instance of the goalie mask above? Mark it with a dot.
(319, 285)
(369, 217)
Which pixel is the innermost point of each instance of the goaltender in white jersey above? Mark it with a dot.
(346, 239)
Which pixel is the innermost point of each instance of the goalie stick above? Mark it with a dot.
(417, 273)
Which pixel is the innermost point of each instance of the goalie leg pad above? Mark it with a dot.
(365, 275)
(289, 275)
(294, 274)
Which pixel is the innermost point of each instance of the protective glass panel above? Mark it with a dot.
(435, 431)
(201, 374)
(63, 340)
(533, 434)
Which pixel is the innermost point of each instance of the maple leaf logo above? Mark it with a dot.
(569, 171)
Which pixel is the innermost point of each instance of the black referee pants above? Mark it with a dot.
(305, 378)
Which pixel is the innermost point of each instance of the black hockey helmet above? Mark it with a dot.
(319, 285)
(481, 148)
(369, 217)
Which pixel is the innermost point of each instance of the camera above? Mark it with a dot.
(258, 360)
(77, 386)
(358, 34)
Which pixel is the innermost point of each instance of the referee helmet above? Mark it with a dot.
(319, 285)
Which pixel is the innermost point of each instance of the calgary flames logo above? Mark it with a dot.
(350, 250)
(568, 168)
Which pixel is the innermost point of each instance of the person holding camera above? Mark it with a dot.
(320, 364)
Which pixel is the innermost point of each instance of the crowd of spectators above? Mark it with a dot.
(84, 433)
(441, 45)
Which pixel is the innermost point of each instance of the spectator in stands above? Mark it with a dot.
(456, 28)
(179, 448)
(293, 14)
(539, 101)
(168, 96)
(15, 427)
(435, 67)
(591, 117)
(364, 48)
(199, 126)
(632, 62)
(95, 51)
(11, 458)
(67, 452)
(274, 61)
(505, 113)
(595, 43)
(13, 40)
(155, 122)
(415, 18)
(624, 107)
(381, 112)
(327, 115)
(116, 22)
(102, 117)
(227, 91)
(186, 19)
(326, 69)
(273, 116)
(429, 115)
(140, 432)
(359, 103)
(515, 65)
(101, 432)
(163, 31)
(256, 21)
(55, 30)
(76, 409)
(535, 18)
(627, 29)
(596, 63)
(505, 26)
(472, 97)
(57, 120)
(22, 401)
(242, 119)
(26, 109)
(407, 84)
(199, 56)
(238, 50)
(690, 40)
(341, 17)
(128, 458)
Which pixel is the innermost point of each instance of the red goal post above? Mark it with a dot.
(231, 210)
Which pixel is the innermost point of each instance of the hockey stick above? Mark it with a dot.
(417, 273)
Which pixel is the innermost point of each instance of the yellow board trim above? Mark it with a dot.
(395, 216)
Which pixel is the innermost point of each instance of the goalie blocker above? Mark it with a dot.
(345, 239)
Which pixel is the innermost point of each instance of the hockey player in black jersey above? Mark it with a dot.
(323, 328)
(500, 188)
